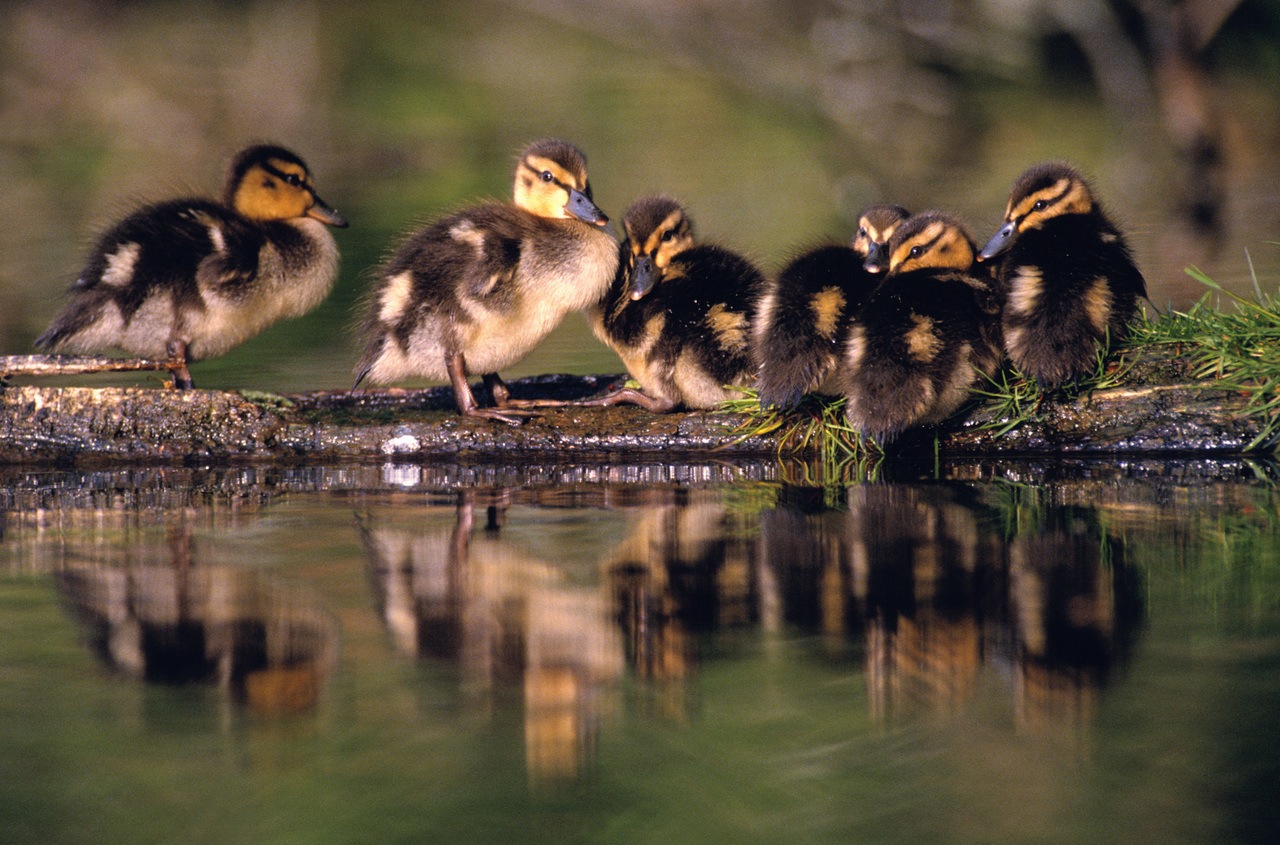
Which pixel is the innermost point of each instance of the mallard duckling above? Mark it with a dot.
(191, 278)
(1067, 278)
(678, 312)
(803, 318)
(927, 334)
(478, 289)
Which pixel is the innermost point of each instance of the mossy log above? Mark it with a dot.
(1159, 410)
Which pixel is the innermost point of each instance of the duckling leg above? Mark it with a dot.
(466, 400)
(177, 349)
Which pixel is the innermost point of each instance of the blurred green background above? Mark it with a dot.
(773, 121)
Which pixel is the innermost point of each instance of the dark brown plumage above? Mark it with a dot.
(1068, 281)
(678, 313)
(804, 315)
(926, 335)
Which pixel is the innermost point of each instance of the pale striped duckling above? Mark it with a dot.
(189, 279)
(476, 290)
(678, 313)
(803, 317)
(925, 336)
(1068, 280)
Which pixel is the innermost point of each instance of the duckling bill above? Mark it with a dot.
(476, 290)
(925, 336)
(189, 279)
(1067, 278)
(804, 316)
(678, 313)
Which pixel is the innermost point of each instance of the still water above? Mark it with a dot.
(719, 652)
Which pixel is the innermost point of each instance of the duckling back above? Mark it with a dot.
(1067, 278)
(924, 337)
(679, 312)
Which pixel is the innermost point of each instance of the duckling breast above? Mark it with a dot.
(295, 269)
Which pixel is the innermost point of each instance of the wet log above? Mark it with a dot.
(1159, 410)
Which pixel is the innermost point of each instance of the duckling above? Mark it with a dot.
(678, 312)
(191, 278)
(803, 318)
(1067, 278)
(927, 334)
(476, 290)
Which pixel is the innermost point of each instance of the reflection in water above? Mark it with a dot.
(503, 617)
(176, 622)
(922, 576)
(942, 595)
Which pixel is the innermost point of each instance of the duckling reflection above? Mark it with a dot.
(175, 622)
(505, 618)
(943, 595)
(682, 570)
(1076, 610)
(927, 581)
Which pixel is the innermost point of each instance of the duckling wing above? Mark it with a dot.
(233, 262)
(156, 249)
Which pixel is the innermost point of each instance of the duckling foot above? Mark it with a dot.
(508, 416)
(629, 396)
(466, 400)
(177, 365)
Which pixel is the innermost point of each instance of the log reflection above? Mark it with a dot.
(163, 618)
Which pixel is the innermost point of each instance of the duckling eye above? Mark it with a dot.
(862, 231)
(293, 179)
(916, 252)
(668, 236)
(1040, 205)
(546, 176)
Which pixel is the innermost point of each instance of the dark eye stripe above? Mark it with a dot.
(538, 174)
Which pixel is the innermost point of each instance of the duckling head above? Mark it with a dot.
(658, 229)
(876, 225)
(1042, 193)
(270, 183)
(551, 181)
(931, 240)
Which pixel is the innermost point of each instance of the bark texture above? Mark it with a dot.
(1159, 410)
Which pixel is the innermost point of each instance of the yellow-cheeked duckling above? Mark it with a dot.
(926, 335)
(1066, 277)
(803, 318)
(678, 313)
(189, 279)
(476, 290)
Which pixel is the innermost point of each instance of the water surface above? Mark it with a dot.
(995, 652)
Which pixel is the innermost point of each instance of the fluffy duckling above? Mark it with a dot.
(803, 318)
(678, 313)
(1067, 278)
(478, 289)
(924, 336)
(191, 278)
